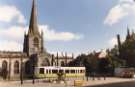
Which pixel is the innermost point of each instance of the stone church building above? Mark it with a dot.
(12, 63)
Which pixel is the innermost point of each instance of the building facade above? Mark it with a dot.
(12, 63)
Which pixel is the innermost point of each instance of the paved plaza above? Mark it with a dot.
(109, 82)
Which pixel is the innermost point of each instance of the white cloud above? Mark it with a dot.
(14, 33)
(8, 13)
(113, 41)
(6, 45)
(123, 9)
(12, 37)
(102, 54)
(52, 35)
(69, 54)
(126, 1)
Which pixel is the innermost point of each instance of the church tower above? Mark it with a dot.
(33, 41)
(128, 34)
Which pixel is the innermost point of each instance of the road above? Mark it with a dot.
(109, 82)
(120, 84)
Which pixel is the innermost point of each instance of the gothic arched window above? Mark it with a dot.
(62, 63)
(16, 67)
(4, 71)
(4, 65)
(36, 42)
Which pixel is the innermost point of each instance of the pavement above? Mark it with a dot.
(109, 82)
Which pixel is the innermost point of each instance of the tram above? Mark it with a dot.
(52, 72)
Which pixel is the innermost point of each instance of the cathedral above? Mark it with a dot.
(126, 48)
(34, 53)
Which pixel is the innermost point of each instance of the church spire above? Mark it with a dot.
(33, 26)
(128, 33)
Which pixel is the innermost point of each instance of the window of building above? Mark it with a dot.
(36, 42)
(62, 63)
(4, 65)
(16, 67)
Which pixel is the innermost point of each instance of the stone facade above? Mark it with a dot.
(11, 61)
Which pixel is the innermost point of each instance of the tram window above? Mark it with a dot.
(60, 71)
(67, 71)
(47, 71)
(41, 71)
(81, 71)
(72, 71)
(54, 71)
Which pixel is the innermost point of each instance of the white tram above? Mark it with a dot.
(52, 72)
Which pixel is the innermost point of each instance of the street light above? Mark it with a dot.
(34, 62)
(21, 73)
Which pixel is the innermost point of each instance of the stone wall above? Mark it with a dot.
(11, 58)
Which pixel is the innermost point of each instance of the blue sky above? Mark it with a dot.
(88, 24)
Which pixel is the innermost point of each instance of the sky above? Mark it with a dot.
(72, 26)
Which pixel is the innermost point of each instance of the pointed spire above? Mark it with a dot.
(132, 31)
(128, 33)
(33, 26)
(119, 45)
(42, 38)
(72, 55)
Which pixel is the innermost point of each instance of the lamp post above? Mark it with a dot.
(33, 76)
(52, 60)
(66, 58)
(34, 63)
(9, 68)
(21, 73)
(57, 59)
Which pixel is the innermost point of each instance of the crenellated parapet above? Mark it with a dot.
(11, 54)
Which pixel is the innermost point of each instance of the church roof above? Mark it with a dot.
(9, 54)
(68, 57)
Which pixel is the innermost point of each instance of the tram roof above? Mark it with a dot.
(59, 67)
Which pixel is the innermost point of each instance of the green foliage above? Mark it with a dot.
(128, 52)
(94, 64)
(90, 61)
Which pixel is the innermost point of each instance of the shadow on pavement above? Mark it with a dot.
(120, 84)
